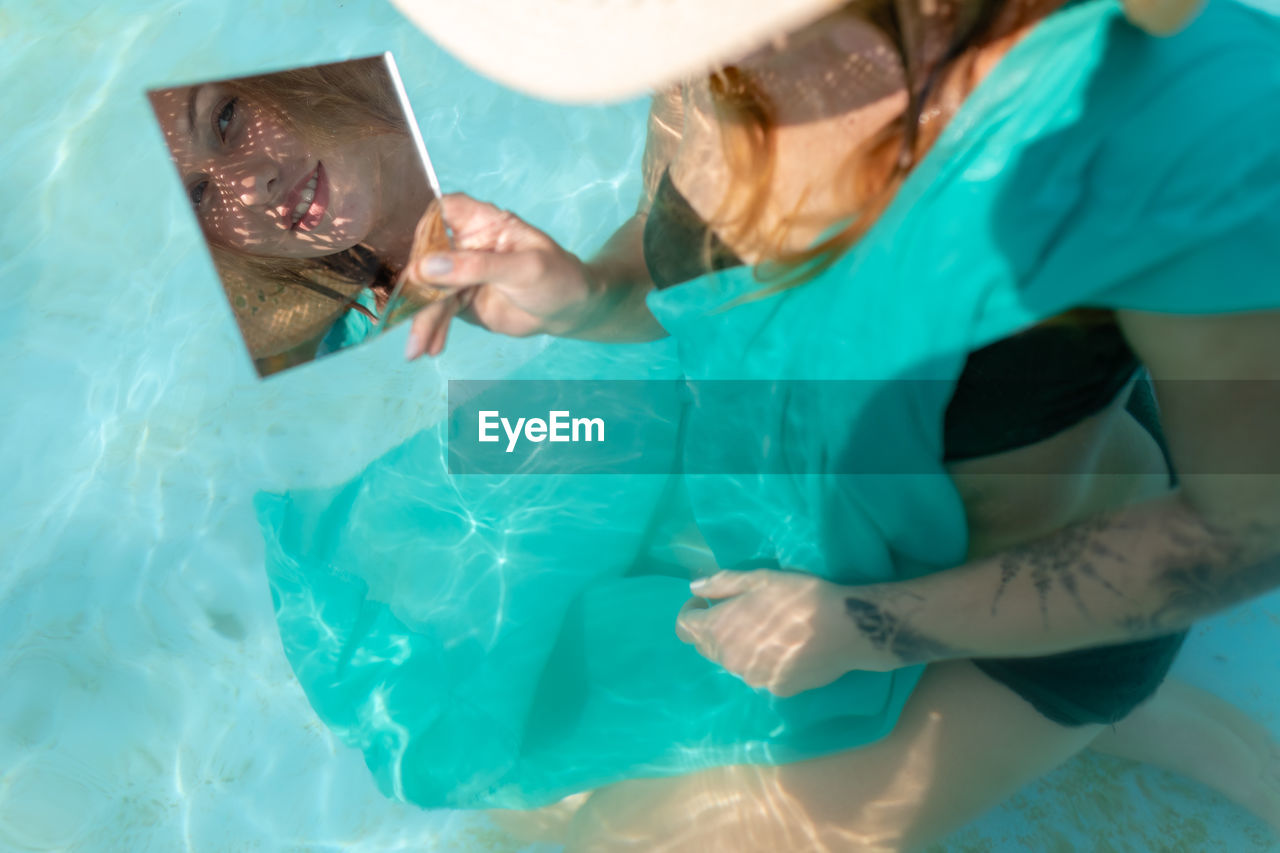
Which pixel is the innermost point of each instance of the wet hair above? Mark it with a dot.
(874, 172)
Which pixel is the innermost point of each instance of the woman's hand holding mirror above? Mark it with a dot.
(505, 275)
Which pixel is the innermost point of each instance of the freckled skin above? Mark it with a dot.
(241, 160)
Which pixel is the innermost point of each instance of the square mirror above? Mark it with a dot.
(313, 190)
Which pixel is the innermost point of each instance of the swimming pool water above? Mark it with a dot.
(145, 703)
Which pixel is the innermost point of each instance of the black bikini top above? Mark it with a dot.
(1013, 393)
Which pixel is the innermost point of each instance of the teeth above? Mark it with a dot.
(308, 196)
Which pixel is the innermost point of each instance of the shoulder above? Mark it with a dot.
(665, 130)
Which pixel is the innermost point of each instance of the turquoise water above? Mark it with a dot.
(146, 703)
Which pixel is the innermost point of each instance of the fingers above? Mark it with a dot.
(430, 328)
(716, 640)
(783, 691)
(694, 631)
(716, 632)
(480, 225)
(435, 342)
(686, 625)
(454, 270)
(725, 583)
(464, 213)
(467, 305)
(696, 625)
(691, 606)
(738, 636)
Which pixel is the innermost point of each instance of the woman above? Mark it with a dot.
(307, 185)
(841, 138)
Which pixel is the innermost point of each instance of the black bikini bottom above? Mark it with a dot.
(1101, 684)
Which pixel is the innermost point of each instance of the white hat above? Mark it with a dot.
(603, 50)
(600, 50)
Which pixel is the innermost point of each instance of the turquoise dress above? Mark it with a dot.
(504, 641)
(351, 328)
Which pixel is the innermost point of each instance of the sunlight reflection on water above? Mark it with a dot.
(146, 702)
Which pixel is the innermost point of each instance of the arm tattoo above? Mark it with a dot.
(1064, 559)
(893, 633)
(1196, 569)
(1218, 569)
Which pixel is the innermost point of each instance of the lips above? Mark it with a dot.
(307, 202)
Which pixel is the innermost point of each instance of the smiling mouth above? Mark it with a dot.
(312, 200)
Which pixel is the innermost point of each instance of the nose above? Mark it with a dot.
(254, 182)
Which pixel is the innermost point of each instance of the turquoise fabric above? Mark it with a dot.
(351, 328)
(502, 642)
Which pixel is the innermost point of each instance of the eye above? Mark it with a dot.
(225, 115)
(197, 192)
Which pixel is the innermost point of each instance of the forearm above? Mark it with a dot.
(619, 281)
(1139, 572)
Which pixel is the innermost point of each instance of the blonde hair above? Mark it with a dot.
(873, 173)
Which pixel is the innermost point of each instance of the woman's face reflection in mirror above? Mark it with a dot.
(260, 184)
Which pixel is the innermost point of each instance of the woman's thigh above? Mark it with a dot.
(964, 744)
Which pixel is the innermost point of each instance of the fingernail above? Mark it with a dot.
(436, 265)
(411, 349)
(698, 584)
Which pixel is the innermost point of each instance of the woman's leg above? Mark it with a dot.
(1191, 732)
(964, 744)
(549, 823)
(1182, 729)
